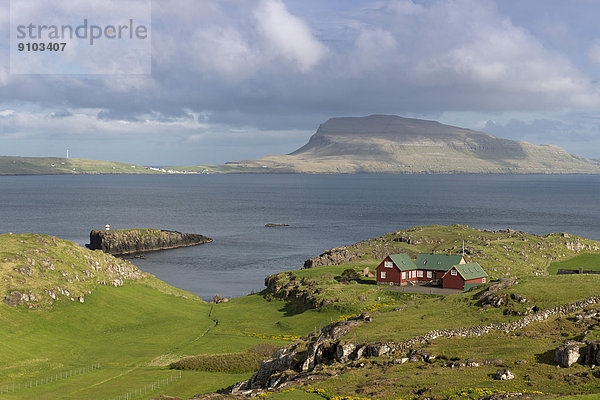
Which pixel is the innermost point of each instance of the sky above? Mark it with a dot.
(240, 79)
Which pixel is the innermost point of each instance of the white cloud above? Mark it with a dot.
(283, 65)
(468, 47)
(226, 52)
(374, 48)
(288, 35)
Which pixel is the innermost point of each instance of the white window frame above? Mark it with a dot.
(429, 275)
(483, 280)
(403, 275)
(382, 275)
(419, 274)
(388, 264)
(454, 272)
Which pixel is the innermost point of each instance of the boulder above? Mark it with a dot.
(568, 353)
(377, 349)
(592, 352)
(343, 352)
(25, 270)
(14, 299)
(504, 374)
(282, 360)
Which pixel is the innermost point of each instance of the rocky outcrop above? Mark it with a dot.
(290, 363)
(592, 353)
(504, 375)
(131, 241)
(16, 298)
(488, 295)
(303, 291)
(325, 348)
(336, 256)
(572, 352)
(568, 353)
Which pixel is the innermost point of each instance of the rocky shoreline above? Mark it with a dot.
(133, 241)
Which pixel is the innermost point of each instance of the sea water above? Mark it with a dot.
(323, 211)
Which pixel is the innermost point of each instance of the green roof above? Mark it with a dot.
(470, 271)
(403, 262)
(439, 262)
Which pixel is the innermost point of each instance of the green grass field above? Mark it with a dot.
(134, 332)
(589, 262)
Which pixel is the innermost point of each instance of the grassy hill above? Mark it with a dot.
(61, 166)
(528, 352)
(134, 331)
(392, 144)
(133, 326)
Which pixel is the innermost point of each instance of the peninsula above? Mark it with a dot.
(67, 166)
(132, 241)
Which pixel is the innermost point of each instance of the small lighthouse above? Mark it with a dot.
(107, 227)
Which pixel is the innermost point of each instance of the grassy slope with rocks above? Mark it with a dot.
(66, 166)
(135, 331)
(527, 351)
(134, 327)
(501, 253)
(38, 270)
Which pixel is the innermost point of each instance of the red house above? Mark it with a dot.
(396, 269)
(452, 271)
(464, 276)
(434, 266)
(399, 269)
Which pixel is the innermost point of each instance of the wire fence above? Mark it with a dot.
(150, 388)
(14, 387)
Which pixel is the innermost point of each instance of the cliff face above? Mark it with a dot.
(130, 241)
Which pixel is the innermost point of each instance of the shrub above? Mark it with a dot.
(349, 275)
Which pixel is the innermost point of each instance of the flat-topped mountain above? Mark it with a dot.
(389, 143)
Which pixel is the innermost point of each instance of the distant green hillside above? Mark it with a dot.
(60, 166)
